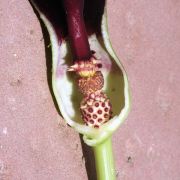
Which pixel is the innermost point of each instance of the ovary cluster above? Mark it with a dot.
(95, 106)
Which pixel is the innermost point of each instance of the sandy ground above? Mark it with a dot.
(33, 146)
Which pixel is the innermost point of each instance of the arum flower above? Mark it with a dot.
(88, 80)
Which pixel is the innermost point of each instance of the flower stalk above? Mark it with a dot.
(104, 160)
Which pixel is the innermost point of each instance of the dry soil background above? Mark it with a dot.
(33, 146)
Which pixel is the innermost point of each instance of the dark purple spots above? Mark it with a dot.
(103, 104)
(106, 115)
(99, 112)
(94, 116)
(90, 110)
(106, 109)
(99, 65)
(97, 104)
(96, 126)
(91, 121)
(85, 119)
(99, 120)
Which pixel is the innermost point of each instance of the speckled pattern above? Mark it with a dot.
(33, 146)
(96, 109)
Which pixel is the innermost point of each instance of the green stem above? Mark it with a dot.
(104, 161)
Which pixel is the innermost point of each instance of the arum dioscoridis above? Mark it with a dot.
(97, 85)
